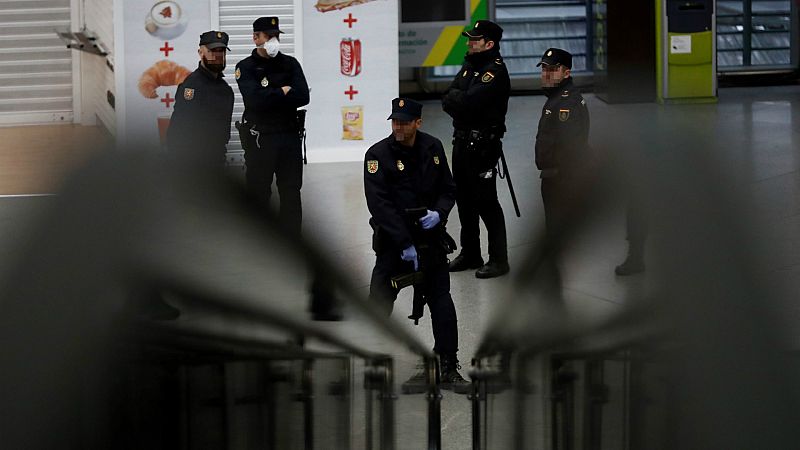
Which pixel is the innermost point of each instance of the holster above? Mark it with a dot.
(301, 121)
(301, 131)
(249, 135)
(484, 144)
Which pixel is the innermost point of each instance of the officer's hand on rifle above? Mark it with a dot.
(410, 254)
(429, 220)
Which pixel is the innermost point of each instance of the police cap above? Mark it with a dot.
(405, 109)
(553, 56)
(214, 39)
(267, 25)
(485, 29)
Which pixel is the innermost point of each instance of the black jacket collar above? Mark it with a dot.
(481, 59)
(566, 83)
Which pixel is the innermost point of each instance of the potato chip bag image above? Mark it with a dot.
(353, 123)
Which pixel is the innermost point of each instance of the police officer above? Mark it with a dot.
(273, 86)
(477, 100)
(562, 142)
(200, 127)
(404, 171)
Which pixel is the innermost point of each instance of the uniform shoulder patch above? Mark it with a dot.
(372, 165)
(563, 115)
(188, 94)
(487, 77)
(238, 73)
(436, 159)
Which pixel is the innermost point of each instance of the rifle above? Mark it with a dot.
(416, 279)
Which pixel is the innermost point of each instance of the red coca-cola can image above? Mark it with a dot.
(350, 53)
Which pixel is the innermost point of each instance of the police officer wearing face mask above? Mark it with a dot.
(273, 86)
(200, 127)
(477, 100)
(562, 142)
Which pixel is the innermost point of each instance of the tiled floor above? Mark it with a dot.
(750, 137)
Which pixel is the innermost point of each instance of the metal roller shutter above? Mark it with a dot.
(35, 66)
(236, 18)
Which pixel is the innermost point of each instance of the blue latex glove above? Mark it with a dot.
(430, 220)
(410, 254)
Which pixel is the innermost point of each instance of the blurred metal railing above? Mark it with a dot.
(239, 369)
(696, 361)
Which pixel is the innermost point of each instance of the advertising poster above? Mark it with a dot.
(350, 58)
(430, 32)
(159, 41)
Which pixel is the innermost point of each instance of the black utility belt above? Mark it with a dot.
(477, 135)
(271, 128)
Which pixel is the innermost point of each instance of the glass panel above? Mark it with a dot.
(730, 34)
(769, 39)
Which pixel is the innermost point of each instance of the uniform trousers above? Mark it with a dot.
(281, 158)
(436, 289)
(476, 197)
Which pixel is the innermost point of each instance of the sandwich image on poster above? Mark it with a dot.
(333, 5)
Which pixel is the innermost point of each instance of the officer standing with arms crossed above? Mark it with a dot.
(477, 100)
(405, 171)
(200, 127)
(562, 142)
(273, 86)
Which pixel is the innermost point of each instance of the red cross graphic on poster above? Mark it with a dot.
(166, 49)
(350, 20)
(168, 100)
(351, 92)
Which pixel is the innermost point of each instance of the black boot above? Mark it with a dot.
(464, 261)
(418, 383)
(634, 263)
(493, 269)
(450, 378)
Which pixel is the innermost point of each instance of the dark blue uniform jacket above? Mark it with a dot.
(260, 81)
(200, 127)
(398, 177)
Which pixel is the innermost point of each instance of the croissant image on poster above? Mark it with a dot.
(333, 5)
(350, 57)
(162, 73)
(353, 123)
(166, 20)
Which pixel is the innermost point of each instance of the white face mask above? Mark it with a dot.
(272, 46)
